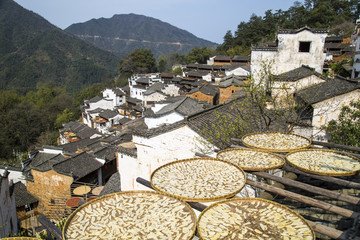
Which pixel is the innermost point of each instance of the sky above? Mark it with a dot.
(207, 19)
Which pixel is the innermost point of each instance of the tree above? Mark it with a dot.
(177, 71)
(139, 61)
(64, 117)
(200, 55)
(162, 65)
(346, 129)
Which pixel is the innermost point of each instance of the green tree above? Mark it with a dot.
(177, 71)
(346, 129)
(200, 55)
(162, 65)
(64, 117)
(139, 61)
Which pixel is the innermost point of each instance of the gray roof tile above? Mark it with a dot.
(22, 196)
(329, 89)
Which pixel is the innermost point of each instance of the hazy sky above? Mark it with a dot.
(208, 19)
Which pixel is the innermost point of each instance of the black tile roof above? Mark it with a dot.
(78, 166)
(80, 144)
(241, 58)
(148, 133)
(113, 185)
(143, 80)
(297, 73)
(157, 86)
(329, 89)
(294, 31)
(94, 99)
(118, 91)
(132, 152)
(234, 80)
(133, 100)
(185, 107)
(82, 131)
(207, 89)
(124, 120)
(108, 114)
(198, 73)
(22, 196)
(107, 153)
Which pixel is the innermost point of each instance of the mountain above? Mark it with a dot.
(33, 51)
(124, 33)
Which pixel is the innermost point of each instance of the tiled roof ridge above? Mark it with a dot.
(313, 30)
(129, 152)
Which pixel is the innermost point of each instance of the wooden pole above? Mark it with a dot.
(337, 181)
(52, 228)
(310, 188)
(310, 201)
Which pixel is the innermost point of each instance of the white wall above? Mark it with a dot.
(103, 103)
(180, 143)
(285, 89)
(328, 110)
(137, 93)
(109, 94)
(238, 72)
(166, 119)
(154, 97)
(288, 57)
(16, 176)
(171, 90)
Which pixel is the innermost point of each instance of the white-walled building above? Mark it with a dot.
(294, 48)
(324, 102)
(236, 70)
(286, 84)
(173, 112)
(117, 95)
(153, 149)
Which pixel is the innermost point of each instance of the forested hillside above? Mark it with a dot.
(337, 15)
(124, 33)
(33, 51)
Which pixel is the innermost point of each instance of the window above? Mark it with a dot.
(304, 46)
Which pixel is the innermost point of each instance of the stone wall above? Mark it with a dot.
(50, 187)
(225, 93)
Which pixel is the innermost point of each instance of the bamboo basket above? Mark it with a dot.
(199, 179)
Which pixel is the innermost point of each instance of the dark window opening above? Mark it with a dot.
(304, 46)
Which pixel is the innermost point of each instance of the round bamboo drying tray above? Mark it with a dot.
(324, 162)
(251, 218)
(276, 141)
(137, 215)
(199, 179)
(73, 202)
(251, 159)
(82, 190)
(96, 191)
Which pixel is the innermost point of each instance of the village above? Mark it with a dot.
(128, 133)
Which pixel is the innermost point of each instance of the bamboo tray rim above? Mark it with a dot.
(208, 199)
(134, 192)
(254, 150)
(274, 149)
(350, 173)
(249, 200)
